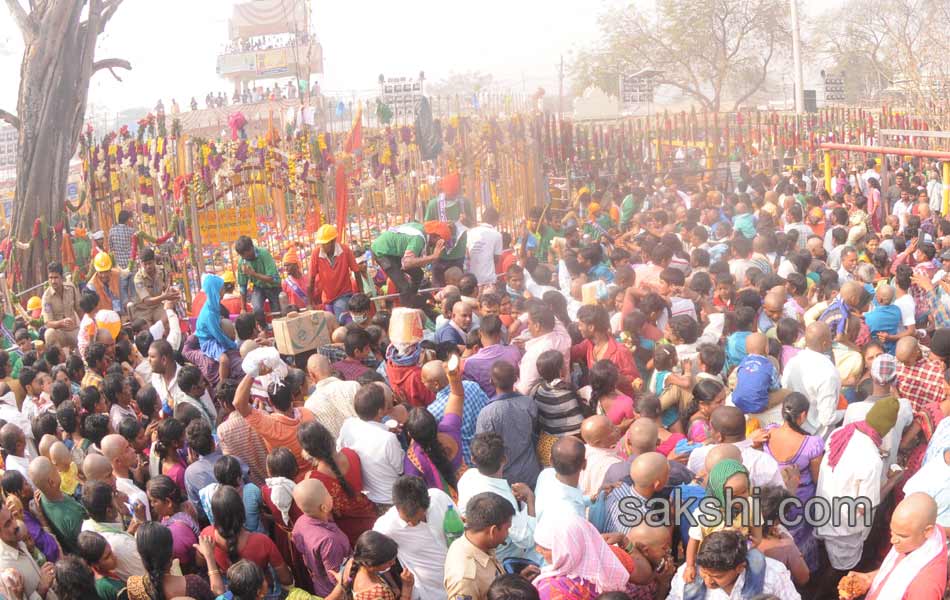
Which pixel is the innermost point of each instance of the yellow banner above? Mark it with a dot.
(226, 226)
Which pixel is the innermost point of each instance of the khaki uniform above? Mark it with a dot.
(148, 287)
(57, 307)
(469, 572)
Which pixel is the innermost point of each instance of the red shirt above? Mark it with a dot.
(616, 353)
(330, 281)
(259, 549)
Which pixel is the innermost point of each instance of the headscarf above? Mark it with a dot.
(290, 257)
(873, 426)
(451, 184)
(282, 495)
(438, 228)
(211, 337)
(577, 550)
(719, 475)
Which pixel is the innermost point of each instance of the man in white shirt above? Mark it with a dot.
(418, 522)
(728, 570)
(812, 373)
(164, 379)
(852, 468)
(484, 247)
(381, 456)
(331, 400)
(727, 425)
(903, 207)
(122, 455)
(488, 454)
(903, 278)
(883, 376)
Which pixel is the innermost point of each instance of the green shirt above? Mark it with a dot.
(264, 264)
(108, 588)
(458, 250)
(394, 243)
(453, 210)
(627, 209)
(65, 517)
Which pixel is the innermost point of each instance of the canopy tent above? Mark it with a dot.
(268, 17)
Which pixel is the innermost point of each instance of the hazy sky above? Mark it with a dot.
(173, 50)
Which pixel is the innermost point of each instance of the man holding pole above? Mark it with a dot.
(332, 266)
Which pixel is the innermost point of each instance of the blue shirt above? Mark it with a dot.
(201, 473)
(448, 333)
(601, 271)
(475, 401)
(886, 319)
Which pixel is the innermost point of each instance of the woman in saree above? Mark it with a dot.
(435, 452)
(921, 432)
(579, 565)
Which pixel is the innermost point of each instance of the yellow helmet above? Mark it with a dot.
(228, 277)
(326, 233)
(34, 303)
(102, 262)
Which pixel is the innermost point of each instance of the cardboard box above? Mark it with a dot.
(405, 326)
(303, 331)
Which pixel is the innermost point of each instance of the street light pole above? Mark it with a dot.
(797, 60)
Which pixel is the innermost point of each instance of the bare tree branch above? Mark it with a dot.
(108, 10)
(10, 118)
(112, 63)
(24, 21)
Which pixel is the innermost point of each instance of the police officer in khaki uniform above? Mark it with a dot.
(471, 565)
(60, 309)
(151, 290)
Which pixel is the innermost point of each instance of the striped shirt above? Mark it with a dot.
(559, 411)
(236, 437)
(475, 401)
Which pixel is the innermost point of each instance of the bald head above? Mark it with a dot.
(318, 367)
(774, 301)
(46, 442)
(104, 337)
(729, 422)
(818, 337)
(339, 335)
(851, 292)
(650, 470)
(642, 436)
(567, 456)
(97, 467)
(884, 295)
(112, 446)
(598, 431)
(913, 521)
(756, 343)
(653, 541)
(311, 497)
(907, 351)
(720, 453)
(433, 375)
(43, 475)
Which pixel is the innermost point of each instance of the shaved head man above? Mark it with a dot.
(813, 374)
(818, 337)
(97, 467)
(316, 536)
(600, 435)
(318, 368)
(434, 376)
(642, 436)
(907, 351)
(916, 566)
(649, 472)
(122, 457)
(772, 306)
(757, 343)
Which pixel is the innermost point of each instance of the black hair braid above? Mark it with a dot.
(153, 582)
(339, 476)
(436, 453)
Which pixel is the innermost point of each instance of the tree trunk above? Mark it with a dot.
(54, 81)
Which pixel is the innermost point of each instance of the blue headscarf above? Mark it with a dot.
(212, 338)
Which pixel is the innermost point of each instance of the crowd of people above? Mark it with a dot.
(638, 395)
